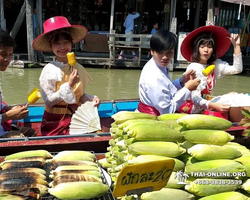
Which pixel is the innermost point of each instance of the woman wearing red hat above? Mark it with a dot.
(62, 86)
(203, 47)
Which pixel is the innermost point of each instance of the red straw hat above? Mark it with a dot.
(77, 32)
(220, 35)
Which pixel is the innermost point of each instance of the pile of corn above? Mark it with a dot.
(197, 143)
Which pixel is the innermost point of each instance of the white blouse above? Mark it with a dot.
(52, 73)
(157, 90)
(222, 68)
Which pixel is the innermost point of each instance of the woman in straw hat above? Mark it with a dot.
(62, 86)
(203, 47)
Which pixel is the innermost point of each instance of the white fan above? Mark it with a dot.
(85, 119)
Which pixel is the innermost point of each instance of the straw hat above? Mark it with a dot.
(77, 32)
(219, 34)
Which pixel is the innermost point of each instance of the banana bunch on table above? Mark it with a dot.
(76, 175)
(23, 176)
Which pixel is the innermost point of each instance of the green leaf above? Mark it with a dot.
(245, 112)
(246, 132)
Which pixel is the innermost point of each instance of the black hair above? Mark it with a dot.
(130, 10)
(163, 40)
(204, 40)
(6, 40)
(63, 35)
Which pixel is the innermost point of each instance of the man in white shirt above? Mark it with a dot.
(129, 25)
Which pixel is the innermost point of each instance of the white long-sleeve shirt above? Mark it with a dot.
(222, 68)
(157, 90)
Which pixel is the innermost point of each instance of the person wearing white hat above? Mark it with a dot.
(62, 86)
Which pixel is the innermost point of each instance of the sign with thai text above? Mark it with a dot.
(149, 174)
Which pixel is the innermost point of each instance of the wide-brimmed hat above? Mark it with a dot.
(219, 34)
(77, 32)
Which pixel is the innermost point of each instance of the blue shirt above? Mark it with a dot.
(153, 31)
(129, 22)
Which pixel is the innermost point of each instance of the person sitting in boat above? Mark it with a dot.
(158, 94)
(203, 47)
(62, 86)
(9, 113)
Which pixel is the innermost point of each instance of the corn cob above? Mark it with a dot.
(199, 121)
(71, 58)
(226, 196)
(123, 116)
(23, 170)
(210, 189)
(132, 121)
(155, 132)
(245, 161)
(22, 164)
(75, 167)
(208, 70)
(74, 178)
(171, 116)
(173, 182)
(73, 156)
(68, 172)
(167, 194)
(74, 162)
(79, 190)
(213, 152)
(34, 95)
(21, 175)
(104, 163)
(169, 149)
(179, 165)
(201, 136)
(131, 126)
(26, 154)
(246, 186)
(10, 197)
(32, 193)
(23, 180)
(222, 165)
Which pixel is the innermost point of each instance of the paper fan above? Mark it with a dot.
(85, 119)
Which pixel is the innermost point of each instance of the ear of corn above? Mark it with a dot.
(123, 116)
(222, 165)
(208, 70)
(135, 121)
(199, 121)
(169, 149)
(226, 196)
(201, 136)
(10, 197)
(213, 152)
(71, 58)
(246, 186)
(22, 170)
(245, 161)
(73, 156)
(167, 194)
(173, 182)
(79, 190)
(26, 154)
(179, 165)
(209, 189)
(155, 132)
(171, 116)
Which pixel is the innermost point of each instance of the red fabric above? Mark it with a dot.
(148, 109)
(186, 107)
(6, 125)
(55, 124)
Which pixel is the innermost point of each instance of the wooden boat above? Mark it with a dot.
(97, 142)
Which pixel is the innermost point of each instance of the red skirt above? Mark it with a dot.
(55, 124)
(143, 108)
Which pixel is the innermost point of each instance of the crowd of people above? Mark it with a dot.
(63, 86)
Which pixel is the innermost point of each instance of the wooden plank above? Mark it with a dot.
(30, 28)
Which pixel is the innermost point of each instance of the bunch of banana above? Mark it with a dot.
(76, 175)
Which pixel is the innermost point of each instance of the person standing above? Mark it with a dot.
(129, 29)
(154, 29)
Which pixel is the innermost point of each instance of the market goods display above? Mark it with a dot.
(208, 163)
(66, 175)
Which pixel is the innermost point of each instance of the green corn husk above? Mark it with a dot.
(205, 168)
(200, 136)
(168, 149)
(171, 116)
(199, 121)
(187, 159)
(155, 132)
(226, 196)
(136, 121)
(172, 182)
(213, 152)
(167, 194)
(123, 116)
(245, 161)
(210, 189)
(179, 165)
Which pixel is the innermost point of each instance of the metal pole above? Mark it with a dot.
(30, 31)
(112, 16)
(3, 21)
(210, 13)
